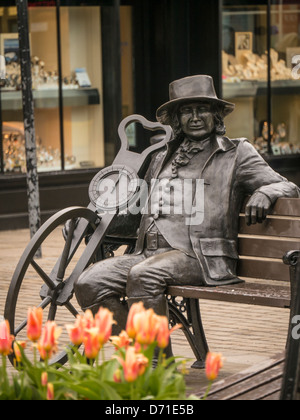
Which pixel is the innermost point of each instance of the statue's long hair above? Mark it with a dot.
(172, 119)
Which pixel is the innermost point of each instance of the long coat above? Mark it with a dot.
(233, 171)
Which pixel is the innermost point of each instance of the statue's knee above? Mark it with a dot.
(135, 281)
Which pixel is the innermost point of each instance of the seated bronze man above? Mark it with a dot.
(172, 248)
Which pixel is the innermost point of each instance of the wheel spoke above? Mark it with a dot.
(71, 308)
(46, 279)
(65, 255)
(52, 312)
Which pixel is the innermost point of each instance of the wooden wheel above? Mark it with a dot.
(50, 276)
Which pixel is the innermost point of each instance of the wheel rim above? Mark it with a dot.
(30, 274)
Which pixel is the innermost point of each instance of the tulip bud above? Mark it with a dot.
(6, 339)
(34, 324)
(104, 322)
(134, 364)
(50, 392)
(76, 331)
(135, 309)
(47, 344)
(214, 362)
(44, 379)
(17, 351)
(91, 343)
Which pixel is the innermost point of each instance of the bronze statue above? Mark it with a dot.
(176, 248)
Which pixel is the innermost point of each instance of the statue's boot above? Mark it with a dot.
(160, 306)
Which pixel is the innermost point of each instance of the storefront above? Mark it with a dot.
(260, 63)
(94, 62)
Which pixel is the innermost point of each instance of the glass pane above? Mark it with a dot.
(285, 56)
(43, 39)
(244, 60)
(82, 88)
(42, 24)
(13, 147)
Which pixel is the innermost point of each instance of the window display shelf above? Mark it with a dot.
(48, 98)
(255, 88)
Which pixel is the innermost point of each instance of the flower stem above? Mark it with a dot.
(208, 390)
(4, 375)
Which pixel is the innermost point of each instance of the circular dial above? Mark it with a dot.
(113, 188)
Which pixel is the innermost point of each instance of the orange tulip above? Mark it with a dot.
(214, 362)
(44, 379)
(34, 324)
(117, 376)
(6, 339)
(121, 341)
(146, 325)
(104, 322)
(91, 343)
(134, 364)
(17, 351)
(88, 319)
(47, 344)
(50, 392)
(76, 331)
(163, 332)
(135, 309)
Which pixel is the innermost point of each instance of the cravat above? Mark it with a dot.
(184, 154)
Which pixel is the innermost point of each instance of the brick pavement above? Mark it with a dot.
(244, 334)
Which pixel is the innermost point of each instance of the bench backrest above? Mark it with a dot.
(262, 246)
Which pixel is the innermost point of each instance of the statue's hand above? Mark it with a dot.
(257, 208)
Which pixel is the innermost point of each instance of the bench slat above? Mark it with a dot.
(263, 269)
(247, 293)
(266, 248)
(284, 207)
(272, 227)
(287, 207)
(250, 384)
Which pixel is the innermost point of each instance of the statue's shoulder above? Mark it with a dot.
(240, 141)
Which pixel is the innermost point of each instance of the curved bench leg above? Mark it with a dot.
(187, 313)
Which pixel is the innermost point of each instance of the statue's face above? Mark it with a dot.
(197, 120)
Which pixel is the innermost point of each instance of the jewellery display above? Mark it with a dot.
(279, 143)
(48, 158)
(41, 79)
(254, 67)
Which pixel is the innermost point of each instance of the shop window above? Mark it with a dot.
(68, 110)
(261, 56)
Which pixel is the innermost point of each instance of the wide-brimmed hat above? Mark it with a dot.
(189, 89)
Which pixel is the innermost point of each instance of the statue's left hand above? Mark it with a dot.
(257, 208)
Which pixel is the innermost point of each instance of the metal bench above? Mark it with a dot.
(275, 379)
(267, 277)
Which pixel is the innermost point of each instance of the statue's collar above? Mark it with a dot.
(221, 143)
(224, 144)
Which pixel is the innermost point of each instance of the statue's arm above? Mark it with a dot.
(264, 185)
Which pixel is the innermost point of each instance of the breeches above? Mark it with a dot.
(136, 276)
